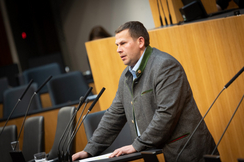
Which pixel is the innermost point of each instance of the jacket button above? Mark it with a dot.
(132, 121)
(139, 71)
(131, 103)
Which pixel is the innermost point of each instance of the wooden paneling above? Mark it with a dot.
(211, 53)
(175, 5)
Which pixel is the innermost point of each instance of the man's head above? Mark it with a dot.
(131, 38)
(136, 30)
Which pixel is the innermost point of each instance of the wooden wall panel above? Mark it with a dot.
(211, 53)
(175, 5)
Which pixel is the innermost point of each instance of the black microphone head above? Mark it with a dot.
(87, 100)
(44, 84)
(31, 81)
(81, 98)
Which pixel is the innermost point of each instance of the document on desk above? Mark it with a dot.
(105, 156)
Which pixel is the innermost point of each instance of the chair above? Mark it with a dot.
(67, 87)
(11, 96)
(3, 86)
(41, 73)
(90, 124)
(33, 140)
(9, 135)
(47, 59)
(10, 71)
(64, 116)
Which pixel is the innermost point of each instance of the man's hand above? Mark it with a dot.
(80, 155)
(123, 150)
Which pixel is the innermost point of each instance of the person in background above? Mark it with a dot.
(98, 32)
(155, 98)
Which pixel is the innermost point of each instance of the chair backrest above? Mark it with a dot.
(47, 59)
(33, 141)
(10, 71)
(64, 116)
(9, 135)
(3, 86)
(41, 73)
(90, 124)
(11, 96)
(67, 87)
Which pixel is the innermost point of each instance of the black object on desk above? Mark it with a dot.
(17, 156)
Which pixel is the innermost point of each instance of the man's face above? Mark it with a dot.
(129, 49)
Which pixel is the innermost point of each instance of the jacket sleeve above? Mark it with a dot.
(108, 129)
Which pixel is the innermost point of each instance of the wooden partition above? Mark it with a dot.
(211, 53)
(173, 9)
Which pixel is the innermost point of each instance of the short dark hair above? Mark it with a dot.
(98, 32)
(136, 30)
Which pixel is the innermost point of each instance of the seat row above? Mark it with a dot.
(62, 88)
(33, 138)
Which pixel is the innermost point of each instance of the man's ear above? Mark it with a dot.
(141, 42)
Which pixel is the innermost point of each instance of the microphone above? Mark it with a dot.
(30, 104)
(234, 78)
(65, 132)
(44, 84)
(20, 99)
(63, 156)
(161, 22)
(166, 22)
(170, 19)
(228, 125)
(225, 87)
(74, 133)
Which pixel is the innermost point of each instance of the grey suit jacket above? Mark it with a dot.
(161, 102)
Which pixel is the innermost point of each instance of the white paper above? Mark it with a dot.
(105, 156)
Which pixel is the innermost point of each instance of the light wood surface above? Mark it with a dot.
(211, 53)
(173, 9)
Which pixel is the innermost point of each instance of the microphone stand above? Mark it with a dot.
(225, 87)
(29, 107)
(63, 156)
(216, 158)
(19, 100)
(82, 99)
(74, 133)
(228, 125)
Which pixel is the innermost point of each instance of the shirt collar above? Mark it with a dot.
(133, 69)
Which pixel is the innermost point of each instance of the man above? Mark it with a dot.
(154, 96)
